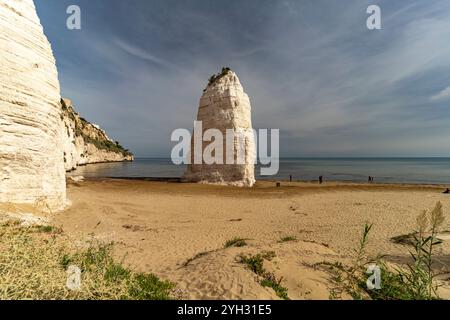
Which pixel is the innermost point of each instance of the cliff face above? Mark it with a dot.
(224, 105)
(31, 151)
(86, 143)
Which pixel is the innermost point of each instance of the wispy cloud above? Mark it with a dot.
(140, 53)
(442, 95)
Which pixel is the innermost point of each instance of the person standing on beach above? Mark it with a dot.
(321, 179)
(290, 178)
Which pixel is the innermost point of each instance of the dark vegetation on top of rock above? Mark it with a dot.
(216, 77)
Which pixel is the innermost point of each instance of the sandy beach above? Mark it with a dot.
(178, 231)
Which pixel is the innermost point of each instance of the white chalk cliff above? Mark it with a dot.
(225, 106)
(31, 150)
(41, 136)
(86, 143)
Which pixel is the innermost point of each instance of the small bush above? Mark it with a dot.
(236, 242)
(148, 287)
(267, 279)
(288, 239)
(271, 282)
(47, 229)
(254, 263)
(216, 77)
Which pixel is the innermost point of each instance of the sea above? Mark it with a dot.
(384, 170)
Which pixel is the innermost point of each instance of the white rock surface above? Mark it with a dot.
(31, 151)
(79, 138)
(224, 105)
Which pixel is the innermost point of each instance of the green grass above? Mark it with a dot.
(255, 263)
(287, 239)
(270, 282)
(149, 287)
(35, 265)
(235, 242)
(46, 229)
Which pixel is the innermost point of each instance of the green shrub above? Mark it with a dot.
(216, 77)
(255, 263)
(414, 282)
(236, 242)
(288, 239)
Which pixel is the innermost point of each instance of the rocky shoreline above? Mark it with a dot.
(86, 143)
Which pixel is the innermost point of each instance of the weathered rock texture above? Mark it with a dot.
(31, 151)
(86, 143)
(224, 105)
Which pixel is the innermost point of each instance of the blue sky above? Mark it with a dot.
(311, 68)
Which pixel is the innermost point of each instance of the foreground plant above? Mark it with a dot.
(235, 242)
(414, 282)
(419, 278)
(35, 261)
(267, 279)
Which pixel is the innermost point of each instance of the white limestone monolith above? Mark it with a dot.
(225, 106)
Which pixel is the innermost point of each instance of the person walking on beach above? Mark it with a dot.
(290, 178)
(321, 179)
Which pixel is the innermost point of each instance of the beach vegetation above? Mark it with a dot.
(36, 266)
(272, 282)
(46, 229)
(415, 281)
(255, 263)
(236, 242)
(287, 239)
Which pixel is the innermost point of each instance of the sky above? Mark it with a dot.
(312, 69)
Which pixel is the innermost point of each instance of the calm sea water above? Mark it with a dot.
(390, 170)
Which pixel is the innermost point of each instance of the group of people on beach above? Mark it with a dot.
(371, 180)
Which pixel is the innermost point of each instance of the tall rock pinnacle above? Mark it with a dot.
(31, 153)
(225, 106)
